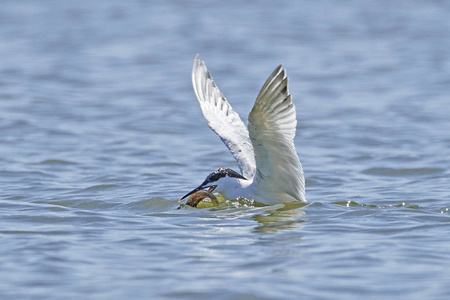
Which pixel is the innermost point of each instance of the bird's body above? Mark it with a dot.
(265, 153)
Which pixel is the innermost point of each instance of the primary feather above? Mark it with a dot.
(272, 125)
(222, 119)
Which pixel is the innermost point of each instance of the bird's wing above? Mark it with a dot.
(222, 119)
(272, 123)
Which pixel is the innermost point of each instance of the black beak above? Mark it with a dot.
(191, 192)
(201, 187)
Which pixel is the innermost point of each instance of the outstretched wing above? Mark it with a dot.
(222, 119)
(272, 124)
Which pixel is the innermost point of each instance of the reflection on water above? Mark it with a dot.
(270, 218)
(280, 217)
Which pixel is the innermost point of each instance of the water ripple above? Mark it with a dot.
(402, 172)
(101, 134)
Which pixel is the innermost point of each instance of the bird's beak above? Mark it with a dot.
(212, 188)
(201, 187)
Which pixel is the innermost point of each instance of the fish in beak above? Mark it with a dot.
(210, 188)
(197, 197)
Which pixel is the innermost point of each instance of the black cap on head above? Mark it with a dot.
(222, 172)
(213, 177)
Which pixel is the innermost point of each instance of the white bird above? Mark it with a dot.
(265, 153)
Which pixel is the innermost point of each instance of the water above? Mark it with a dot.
(101, 134)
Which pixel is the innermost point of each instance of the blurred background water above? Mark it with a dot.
(100, 134)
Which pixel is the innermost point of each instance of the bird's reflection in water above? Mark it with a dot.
(271, 219)
(280, 217)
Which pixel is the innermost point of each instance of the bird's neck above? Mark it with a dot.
(237, 188)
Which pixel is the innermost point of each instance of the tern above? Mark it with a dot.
(271, 171)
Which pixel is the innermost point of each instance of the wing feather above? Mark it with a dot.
(272, 125)
(222, 119)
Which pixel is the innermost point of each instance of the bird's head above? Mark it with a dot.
(218, 181)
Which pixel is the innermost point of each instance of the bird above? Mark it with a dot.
(265, 153)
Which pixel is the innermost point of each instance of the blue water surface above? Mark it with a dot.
(100, 135)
